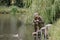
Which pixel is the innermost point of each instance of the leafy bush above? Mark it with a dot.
(13, 10)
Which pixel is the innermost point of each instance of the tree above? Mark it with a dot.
(5, 2)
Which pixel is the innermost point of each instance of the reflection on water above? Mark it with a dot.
(8, 29)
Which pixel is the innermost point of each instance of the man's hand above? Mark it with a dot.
(37, 20)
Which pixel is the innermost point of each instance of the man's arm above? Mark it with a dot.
(41, 20)
(34, 21)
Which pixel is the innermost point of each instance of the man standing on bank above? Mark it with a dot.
(38, 22)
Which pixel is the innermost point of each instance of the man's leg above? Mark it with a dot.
(39, 35)
(39, 27)
(35, 28)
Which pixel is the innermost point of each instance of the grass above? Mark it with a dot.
(46, 8)
(55, 31)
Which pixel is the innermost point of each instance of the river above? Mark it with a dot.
(10, 31)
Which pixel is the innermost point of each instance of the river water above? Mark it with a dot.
(10, 31)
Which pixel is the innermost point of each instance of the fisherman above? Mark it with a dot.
(38, 22)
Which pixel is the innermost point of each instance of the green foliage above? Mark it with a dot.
(13, 10)
(19, 3)
(55, 31)
(27, 3)
(5, 2)
(46, 8)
